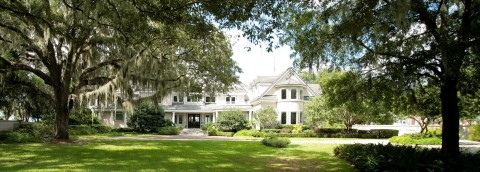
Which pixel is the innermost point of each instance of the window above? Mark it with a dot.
(189, 99)
(301, 94)
(284, 94)
(210, 99)
(293, 117)
(230, 100)
(178, 119)
(284, 118)
(293, 94)
(175, 99)
(119, 116)
(208, 119)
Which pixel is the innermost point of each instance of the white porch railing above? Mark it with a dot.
(402, 129)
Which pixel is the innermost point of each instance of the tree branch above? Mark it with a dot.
(19, 66)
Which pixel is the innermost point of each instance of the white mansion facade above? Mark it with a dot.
(286, 92)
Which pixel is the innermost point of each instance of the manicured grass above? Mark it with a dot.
(168, 155)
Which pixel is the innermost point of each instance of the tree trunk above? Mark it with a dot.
(450, 115)
(62, 112)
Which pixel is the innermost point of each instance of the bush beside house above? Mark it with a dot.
(148, 118)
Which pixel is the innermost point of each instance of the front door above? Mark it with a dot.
(193, 120)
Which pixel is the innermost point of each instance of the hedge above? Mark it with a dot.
(276, 142)
(171, 130)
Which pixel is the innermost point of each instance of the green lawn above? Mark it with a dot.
(168, 155)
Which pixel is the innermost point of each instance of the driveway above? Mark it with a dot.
(471, 146)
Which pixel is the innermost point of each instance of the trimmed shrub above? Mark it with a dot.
(100, 128)
(285, 130)
(253, 133)
(123, 130)
(170, 130)
(474, 133)
(384, 133)
(328, 130)
(227, 134)
(180, 128)
(271, 130)
(297, 128)
(276, 142)
(370, 157)
(212, 132)
(412, 141)
(81, 130)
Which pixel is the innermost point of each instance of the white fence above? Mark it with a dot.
(9, 125)
(402, 129)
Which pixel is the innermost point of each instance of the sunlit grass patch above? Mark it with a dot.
(168, 155)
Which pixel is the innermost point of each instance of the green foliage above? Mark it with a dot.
(370, 157)
(212, 132)
(276, 142)
(82, 130)
(90, 130)
(100, 128)
(147, 118)
(29, 133)
(297, 128)
(408, 140)
(433, 137)
(226, 134)
(251, 132)
(267, 117)
(271, 130)
(82, 115)
(474, 132)
(170, 130)
(285, 130)
(123, 130)
(329, 130)
(231, 120)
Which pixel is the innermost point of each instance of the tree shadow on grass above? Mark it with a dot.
(165, 155)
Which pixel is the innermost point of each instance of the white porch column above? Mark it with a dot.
(111, 118)
(216, 116)
(250, 115)
(173, 117)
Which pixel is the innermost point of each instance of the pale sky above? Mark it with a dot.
(257, 61)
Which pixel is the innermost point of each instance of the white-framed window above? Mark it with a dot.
(293, 94)
(293, 117)
(179, 119)
(208, 118)
(175, 98)
(210, 99)
(230, 99)
(283, 118)
(119, 116)
(284, 94)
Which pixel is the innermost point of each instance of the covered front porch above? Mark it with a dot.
(196, 118)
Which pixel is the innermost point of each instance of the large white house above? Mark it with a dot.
(286, 92)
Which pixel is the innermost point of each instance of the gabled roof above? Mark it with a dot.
(293, 79)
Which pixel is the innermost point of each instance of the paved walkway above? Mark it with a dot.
(464, 144)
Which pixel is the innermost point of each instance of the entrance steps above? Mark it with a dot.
(192, 132)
